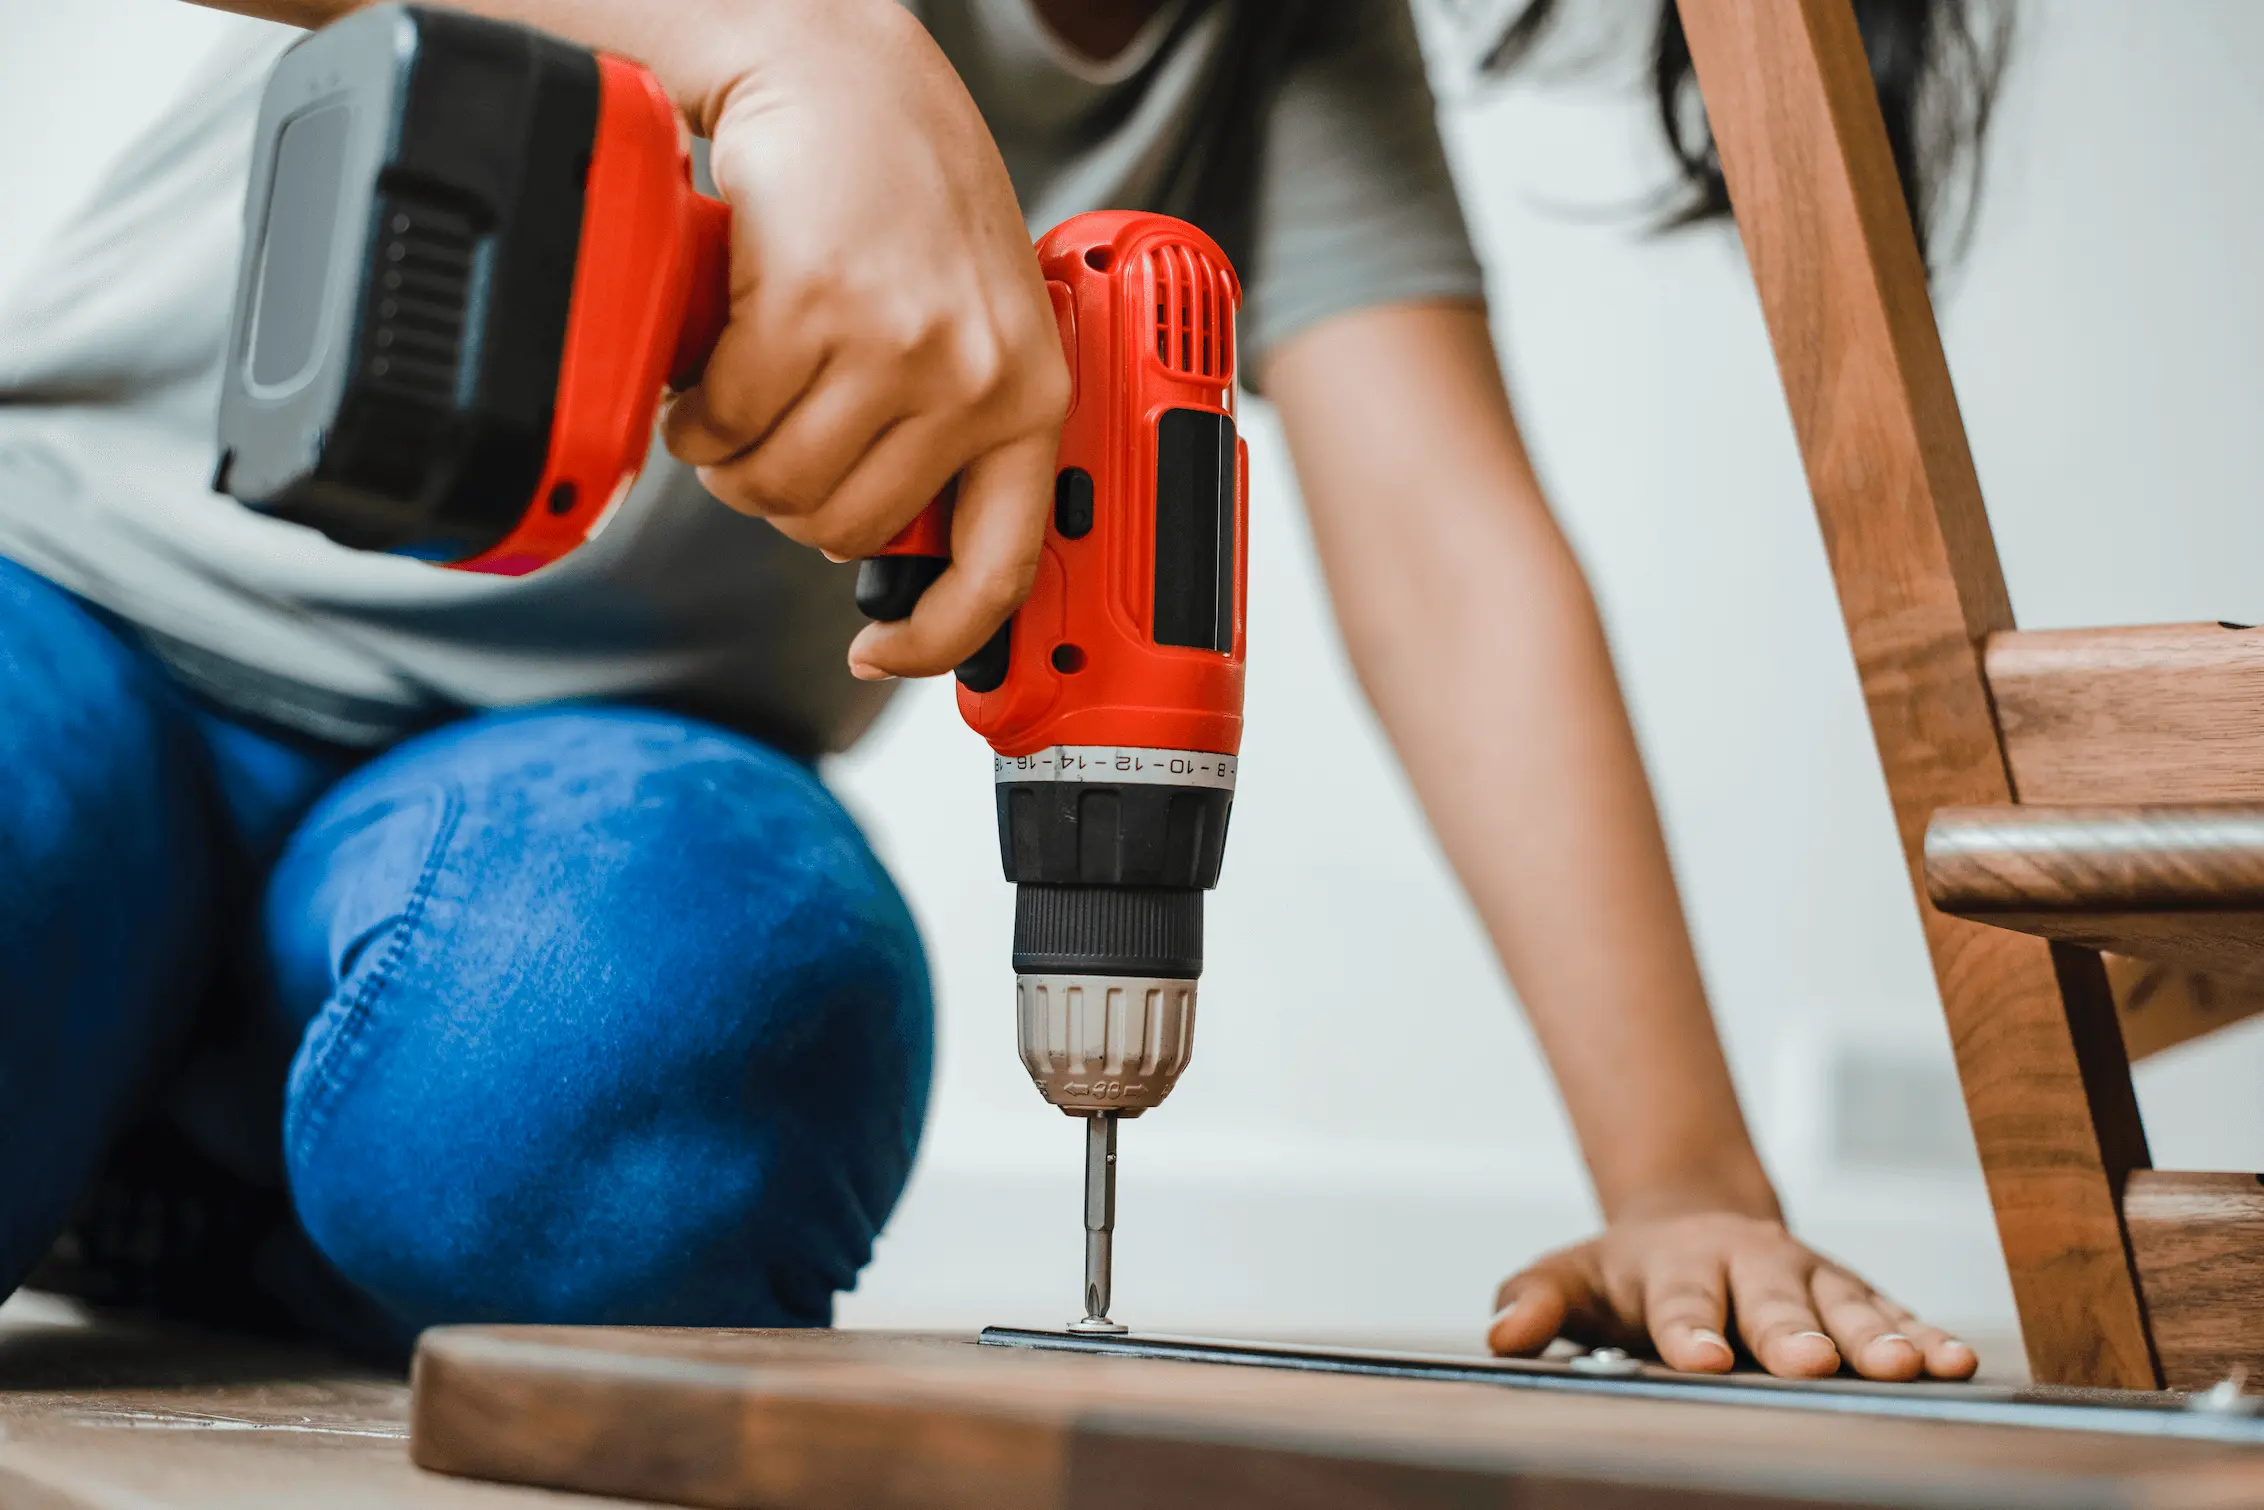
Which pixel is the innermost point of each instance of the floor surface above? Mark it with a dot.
(109, 1416)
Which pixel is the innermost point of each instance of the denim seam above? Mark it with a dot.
(330, 1076)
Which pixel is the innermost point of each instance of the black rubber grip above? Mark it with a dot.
(888, 587)
(1108, 930)
(985, 670)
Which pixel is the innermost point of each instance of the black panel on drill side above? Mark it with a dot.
(1108, 930)
(443, 425)
(1067, 833)
(1195, 488)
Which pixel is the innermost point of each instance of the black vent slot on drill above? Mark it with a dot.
(1195, 475)
(419, 300)
(416, 316)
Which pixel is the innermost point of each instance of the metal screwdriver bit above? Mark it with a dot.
(1100, 1222)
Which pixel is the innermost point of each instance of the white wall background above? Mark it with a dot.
(1368, 1139)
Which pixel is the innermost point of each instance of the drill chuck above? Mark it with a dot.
(1104, 985)
(1105, 1042)
(1110, 851)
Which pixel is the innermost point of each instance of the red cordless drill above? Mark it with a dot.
(474, 259)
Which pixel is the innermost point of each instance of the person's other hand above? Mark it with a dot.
(1679, 1284)
(889, 327)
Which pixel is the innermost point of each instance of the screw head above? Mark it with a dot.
(2225, 1398)
(1099, 1326)
(1608, 1363)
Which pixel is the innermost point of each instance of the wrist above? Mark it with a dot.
(702, 53)
(1730, 1179)
(765, 47)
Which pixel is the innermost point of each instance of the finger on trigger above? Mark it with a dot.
(997, 532)
(1686, 1303)
(1863, 1330)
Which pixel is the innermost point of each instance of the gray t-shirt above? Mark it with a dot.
(110, 351)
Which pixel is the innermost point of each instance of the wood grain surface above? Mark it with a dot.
(2169, 713)
(2033, 858)
(116, 1415)
(2184, 885)
(817, 1421)
(2199, 1240)
(2221, 943)
(1821, 215)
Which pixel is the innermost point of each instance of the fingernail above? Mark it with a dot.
(1890, 1337)
(1822, 1335)
(1502, 1315)
(830, 556)
(1709, 1336)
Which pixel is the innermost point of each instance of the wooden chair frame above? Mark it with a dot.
(2123, 1276)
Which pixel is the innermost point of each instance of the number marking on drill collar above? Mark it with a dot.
(1119, 765)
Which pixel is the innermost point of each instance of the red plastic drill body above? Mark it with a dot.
(1151, 305)
(1146, 307)
(651, 293)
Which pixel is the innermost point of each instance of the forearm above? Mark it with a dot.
(1474, 633)
(701, 50)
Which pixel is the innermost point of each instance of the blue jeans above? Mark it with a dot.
(583, 1013)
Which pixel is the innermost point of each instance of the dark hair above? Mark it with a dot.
(1936, 63)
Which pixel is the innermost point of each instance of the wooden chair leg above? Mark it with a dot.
(2199, 1242)
(1821, 213)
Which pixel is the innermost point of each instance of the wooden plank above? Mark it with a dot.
(719, 1419)
(2167, 713)
(1790, 99)
(2161, 1006)
(2199, 1241)
(802, 1421)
